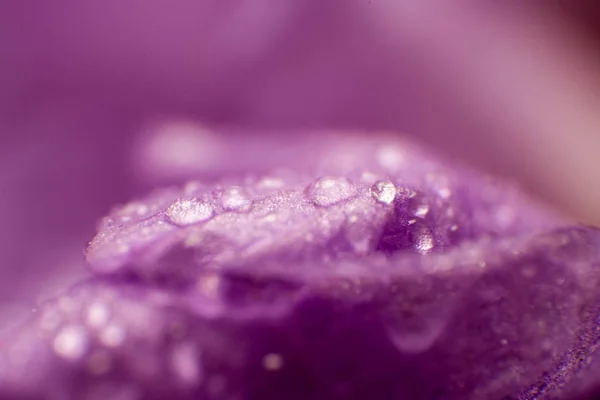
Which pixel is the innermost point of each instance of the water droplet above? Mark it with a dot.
(384, 192)
(71, 343)
(329, 191)
(422, 238)
(97, 315)
(189, 211)
(235, 199)
(273, 362)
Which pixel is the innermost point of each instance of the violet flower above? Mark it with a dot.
(377, 272)
(270, 265)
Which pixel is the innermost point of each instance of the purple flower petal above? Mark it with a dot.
(385, 280)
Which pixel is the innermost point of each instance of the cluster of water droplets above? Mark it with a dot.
(256, 247)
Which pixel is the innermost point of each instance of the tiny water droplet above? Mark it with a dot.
(329, 191)
(189, 211)
(384, 192)
(235, 199)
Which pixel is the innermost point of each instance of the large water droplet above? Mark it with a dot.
(189, 211)
(235, 199)
(329, 191)
(383, 191)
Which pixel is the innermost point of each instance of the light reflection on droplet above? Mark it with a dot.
(421, 210)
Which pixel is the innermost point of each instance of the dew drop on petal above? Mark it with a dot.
(235, 198)
(329, 191)
(383, 191)
(189, 211)
(71, 342)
